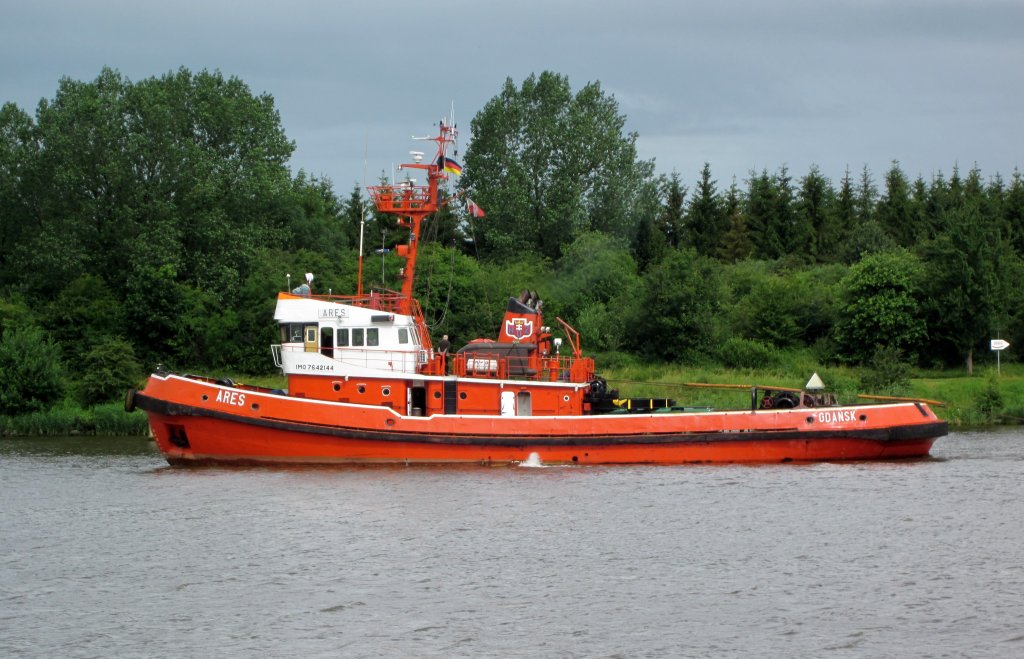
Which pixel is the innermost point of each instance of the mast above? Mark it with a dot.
(362, 223)
(411, 203)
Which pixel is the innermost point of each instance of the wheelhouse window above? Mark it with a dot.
(342, 338)
(357, 336)
(373, 336)
(403, 335)
(327, 341)
(291, 333)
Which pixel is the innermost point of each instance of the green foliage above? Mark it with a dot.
(549, 164)
(31, 371)
(887, 373)
(989, 400)
(747, 354)
(672, 216)
(84, 314)
(706, 217)
(15, 312)
(679, 304)
(895, 212)
(963, 289)
(68, 419)
(881, 306)
(815, 224)
(649, 244)
(107, 371)
(770, 313)
(596, 279)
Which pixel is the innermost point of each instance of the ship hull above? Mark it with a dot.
(202, 422)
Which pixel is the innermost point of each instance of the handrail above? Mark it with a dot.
(504, 367)
(399, 361)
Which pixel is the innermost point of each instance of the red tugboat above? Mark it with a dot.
(366, 386)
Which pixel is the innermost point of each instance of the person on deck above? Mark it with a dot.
(442, 349)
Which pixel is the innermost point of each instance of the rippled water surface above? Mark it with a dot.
(104, 550)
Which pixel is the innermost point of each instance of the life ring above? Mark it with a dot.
(767, 403)
(129, 401)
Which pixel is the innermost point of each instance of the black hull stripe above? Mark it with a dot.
(891, 435)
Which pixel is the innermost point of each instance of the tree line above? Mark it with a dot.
(154, 221)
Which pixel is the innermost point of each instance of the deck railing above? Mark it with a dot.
(501, 366)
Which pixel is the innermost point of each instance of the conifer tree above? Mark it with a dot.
(761, 207)
(671, 220)
(705, 219)
(894, 210)
(1013, 211)
(814, 210)
(736, 244)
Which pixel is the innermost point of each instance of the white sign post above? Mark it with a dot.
(998, 345)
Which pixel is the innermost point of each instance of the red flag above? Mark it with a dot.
(474, 209)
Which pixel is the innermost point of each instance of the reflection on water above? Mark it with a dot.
(107, 551)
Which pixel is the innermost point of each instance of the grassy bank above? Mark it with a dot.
(983, 398)
(70, 419)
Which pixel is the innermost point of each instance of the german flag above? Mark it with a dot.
(449, 165)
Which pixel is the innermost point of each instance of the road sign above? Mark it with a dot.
(1000, 344)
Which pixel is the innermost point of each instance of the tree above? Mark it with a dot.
(894, 211)
(649, 244)
(705, 217)
(317, 219)
(963, 289)
(19, 156)
(595, 274)
(844, 219)
(195, 159)
(679, 303)
(760, 210)
(549, 165)
(1013, 211)
(815, 217)
(865, 198)
(671, 219)
(108, 370)
(31, 371)
(84, 314)
(736, 244)
(881, 306)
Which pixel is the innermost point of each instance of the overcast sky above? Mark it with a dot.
(741, 84)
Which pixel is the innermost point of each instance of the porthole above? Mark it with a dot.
(361, 388)
(863, 417)
(385, 391)
(565, 398)
(255, 406)
(390, 422)
(437, 394)
(462, 395)
(205, 397)
(337, 386)
(810, 419)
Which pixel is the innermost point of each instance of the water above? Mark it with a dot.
(104, 551)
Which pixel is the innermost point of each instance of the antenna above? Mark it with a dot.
(362, 218)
